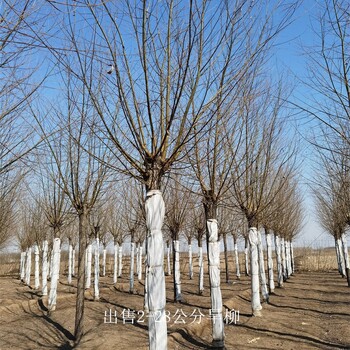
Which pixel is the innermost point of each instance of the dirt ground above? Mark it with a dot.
(312, 311)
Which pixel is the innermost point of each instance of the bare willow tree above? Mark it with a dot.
(164, 63)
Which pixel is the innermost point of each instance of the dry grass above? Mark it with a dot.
(322, 259)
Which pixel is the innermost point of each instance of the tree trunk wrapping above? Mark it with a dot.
(283, 255)
(88, 266)
(190, 263)
(254, 265)
(246, 253)
(238, 273)
(22, 266)
(73, 262)
(132, 263)
(56, 252)
(104, 261)
(340, 252)
(156, 298)
(70, 261)
(36, 267)
(279, 261)
(201, 270)
(263, 284)
(168, 260)
(115, 265)
(44, 267)
(137, 259)
(120, 262)
(139, 276)
(214, 277)
(292, 257)
(270, 262)
(177, 276)
(97, 270)
(28, 265)
(346, 257)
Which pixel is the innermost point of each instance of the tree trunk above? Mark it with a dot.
(263, 284)
(279, 261)
(235, 249)
(201, 268)
(270, 262)
(97, 270)
(56, 252)
(168, 258)
(120, 262)
(44, 267)
(292, 257)
(70, 261)
(346, 258)
(73, 262)
(132, 262)
(137, 258)
(246, 254)
(214, 274)
(139, 275)
(226, 258)
(115, 265)
(79, 308)
(283, 255)
(36, 267)
(190, 262)
(177, 276)
(28, 265)
(340, 256)
(254, 264)
(88, 266)
(104, 256)
(22, 266)
(156, 298)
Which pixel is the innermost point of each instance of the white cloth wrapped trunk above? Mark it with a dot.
(104, 256)
(177, 276)
(168, 260)
(279, 261)
(97, 269)
(70, 261)
(156, 298)
(137, 258)
(120, 260)
(22, 266)
(201, 270)
(263, 284)
(283, 256)
(292, 257)
(190, 262)
(254, 266)
(270, 262)
(214, 279)
(88, 257)
(132, 261)
(51, 264)
(340, 254)
(36, 268)
(115, 264)
(28, 265)
(345, 251)
(73, 262)
(56, 252)
(288, 264)
(139, 275)
(45, 267)
(246, 260)
(235, 248)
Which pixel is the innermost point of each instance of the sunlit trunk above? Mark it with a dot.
(340, 257)
(235, 249)
(73, 262)
(97, 270)
(254, 265)
(36, 267)
(137, 258)
(270, 262)
(283, 256)
(288, 264)
(263, 283)
(226, 258)
(56, 252)
(292, 257)
(44, 267)
(279, 261)
(177, 276)
(168, 257)
(201, 269)
(28, 265)
(156, 298)
(88, 266)
(139, 275)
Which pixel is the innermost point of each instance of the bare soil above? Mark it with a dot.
(311, 311)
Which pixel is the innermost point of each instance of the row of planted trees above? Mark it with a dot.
(154, 90)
